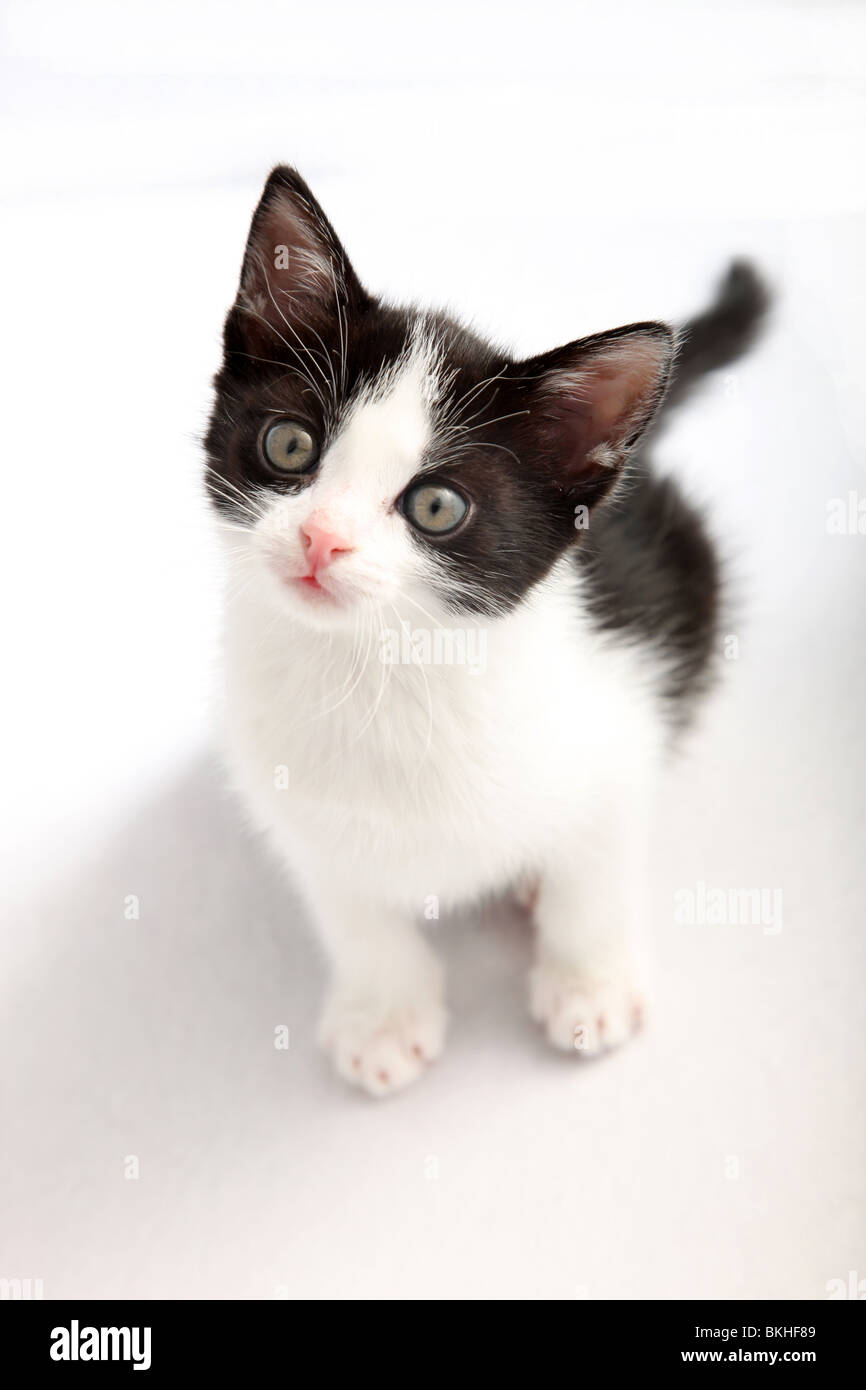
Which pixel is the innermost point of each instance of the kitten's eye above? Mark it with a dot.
(289, 447)
(434, 508)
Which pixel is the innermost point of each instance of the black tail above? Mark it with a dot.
(722, 333)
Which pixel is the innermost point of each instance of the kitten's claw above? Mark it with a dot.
(379, 1049)
(584, 1014)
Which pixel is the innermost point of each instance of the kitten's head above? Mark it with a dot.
(365, 456)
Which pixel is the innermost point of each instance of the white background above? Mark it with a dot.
(548, 171)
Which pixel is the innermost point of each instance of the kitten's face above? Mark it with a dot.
(369, 459)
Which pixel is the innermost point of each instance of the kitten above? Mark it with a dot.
(462, 622)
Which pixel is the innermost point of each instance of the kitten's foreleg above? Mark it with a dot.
(589, 984)
(384, 1018)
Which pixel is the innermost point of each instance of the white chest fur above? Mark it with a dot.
(413, 774)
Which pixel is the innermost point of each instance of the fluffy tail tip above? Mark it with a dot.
(724, 331)
(743, 299)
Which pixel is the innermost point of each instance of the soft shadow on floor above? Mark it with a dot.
(142, 1023)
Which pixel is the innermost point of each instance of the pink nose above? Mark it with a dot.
(321, 544)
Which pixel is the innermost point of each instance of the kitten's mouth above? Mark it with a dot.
(311, 582)
(312, 589)
(309, 585)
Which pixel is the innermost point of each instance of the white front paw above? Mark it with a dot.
(586, 1012)
(382, 1047)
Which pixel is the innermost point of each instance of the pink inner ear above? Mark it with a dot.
(610, 393)
(288, 261)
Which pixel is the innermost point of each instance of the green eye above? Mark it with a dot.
(289, 447)
(434, 508)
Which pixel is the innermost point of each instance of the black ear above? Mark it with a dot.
(295, 274)
(591, 400)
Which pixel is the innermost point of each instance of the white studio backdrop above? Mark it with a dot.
(546, 171)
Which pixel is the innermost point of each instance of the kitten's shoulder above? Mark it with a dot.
(650, 572)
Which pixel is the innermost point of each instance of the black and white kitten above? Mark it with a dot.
(462, 620)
